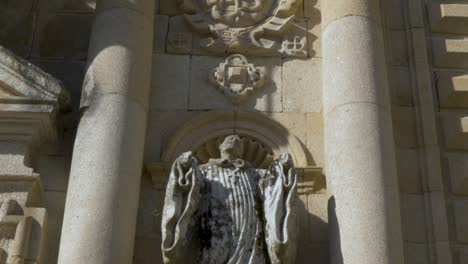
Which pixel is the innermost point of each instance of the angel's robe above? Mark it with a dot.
(237, 214)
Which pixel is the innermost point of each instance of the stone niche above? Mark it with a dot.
(30, 102)
(262, 140)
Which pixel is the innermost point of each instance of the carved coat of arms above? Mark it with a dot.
(241, 26)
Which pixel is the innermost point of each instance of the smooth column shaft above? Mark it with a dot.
(359, 144)
(103, 193)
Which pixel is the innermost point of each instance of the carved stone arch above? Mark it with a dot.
(259, 134)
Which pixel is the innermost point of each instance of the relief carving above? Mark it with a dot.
(241, 26)
(237, 78)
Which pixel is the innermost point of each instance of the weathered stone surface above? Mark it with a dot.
(62, 36)
(400, 86)
(317, 208)
(455, 126)
(449, 17)
(302, 85)
(161, 27)
(460, 208)
(450, 52)
(17, 29)
(453, 89)
(404, 127)
(55, 209)
(69, 6)
(416, 253)
(458, 169)
(409, 175)
(170, 82)
(414, 227)
(315, 138)
(54, 172)
(161, 127)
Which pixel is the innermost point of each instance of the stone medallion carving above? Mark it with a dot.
(237, 78)
(241, 26)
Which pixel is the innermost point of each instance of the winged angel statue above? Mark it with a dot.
(226, 211)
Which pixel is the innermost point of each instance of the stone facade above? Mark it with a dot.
(369, 97)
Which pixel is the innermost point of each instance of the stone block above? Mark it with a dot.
(169, 7)
(399, 47)
(161, 26)
(314, 36)
(453, 89)
(318, 252)
(460, 211)
(180, 36)
(463, 255)
(71, 73)
(54, 171)
(409, 176)
(404, 127)
(449, 17)
(400, 86)
(413, 215)
(295, 123)
(149, 210)
(317, 205)
(147, 251)
(62, 36)
(205, 96)
(450, 52)
(455, 126)
(312, 9)
(67, 6)
(55, 211)
(314, 134)
(416, 253)
(302, 85)
(458, 170)
(393, 10)
(17, 5)
(161, 127)
(170, 82)
(17, 30)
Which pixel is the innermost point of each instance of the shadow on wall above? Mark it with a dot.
(336, 257)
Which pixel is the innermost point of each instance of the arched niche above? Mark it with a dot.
(204, 133)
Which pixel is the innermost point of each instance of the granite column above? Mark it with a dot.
(102, 200)
(359, 144)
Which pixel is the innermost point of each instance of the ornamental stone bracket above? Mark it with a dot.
(237, 78)
(30, 101)
(247, 27)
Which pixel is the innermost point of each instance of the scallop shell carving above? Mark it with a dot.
(253, 151)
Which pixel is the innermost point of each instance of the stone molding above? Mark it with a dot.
(30, 101)
(216, 124)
